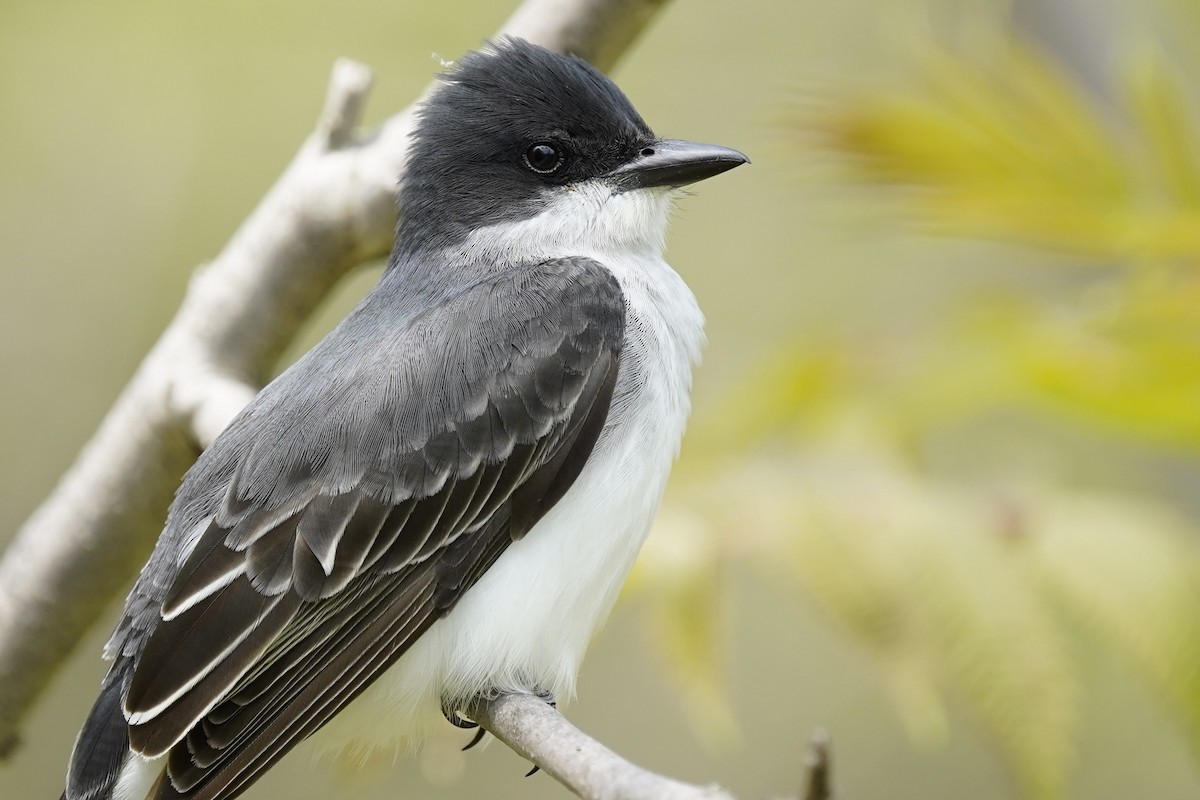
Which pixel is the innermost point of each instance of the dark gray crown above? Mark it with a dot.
(467, 166)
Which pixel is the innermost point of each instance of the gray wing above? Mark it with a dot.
(350, 506)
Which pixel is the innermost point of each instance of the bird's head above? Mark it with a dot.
(522, 153)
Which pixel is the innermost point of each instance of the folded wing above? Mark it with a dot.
(348, 508)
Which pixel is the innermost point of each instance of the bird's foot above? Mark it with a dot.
(459, 721)
(455, 718)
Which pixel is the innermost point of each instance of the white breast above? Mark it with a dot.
(526, 623)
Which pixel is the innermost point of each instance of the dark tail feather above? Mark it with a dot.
(102, 746)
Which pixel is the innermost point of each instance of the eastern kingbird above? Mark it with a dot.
(442, 498)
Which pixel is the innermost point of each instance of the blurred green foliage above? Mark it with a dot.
(979, 588)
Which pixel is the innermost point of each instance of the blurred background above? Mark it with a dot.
(941, 493)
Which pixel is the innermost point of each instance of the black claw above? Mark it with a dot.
(535, 769)
(476, 739)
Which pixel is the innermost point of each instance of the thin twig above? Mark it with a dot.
(820, 767)
(344, 103)
(539, 733)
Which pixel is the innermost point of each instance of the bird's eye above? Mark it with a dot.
(543, 158)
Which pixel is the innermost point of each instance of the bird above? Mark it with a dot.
(441, 499)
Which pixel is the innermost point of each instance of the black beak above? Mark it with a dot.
(673, 162)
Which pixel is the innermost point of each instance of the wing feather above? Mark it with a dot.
(302, 704)
(362, 531)
(390, 532)
(323, 524)
(154, 731)
(211, 567)
(378, 640)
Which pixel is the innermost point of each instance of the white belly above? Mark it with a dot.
(527, 622)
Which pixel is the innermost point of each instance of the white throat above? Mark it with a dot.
(582, 219)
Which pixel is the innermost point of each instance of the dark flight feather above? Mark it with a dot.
(102, 745)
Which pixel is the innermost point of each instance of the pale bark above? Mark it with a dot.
(589, 769)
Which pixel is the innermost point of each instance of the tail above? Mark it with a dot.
(102, 747)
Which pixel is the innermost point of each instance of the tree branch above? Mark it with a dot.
(820, 784)
(536, 731)
(332, 208)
